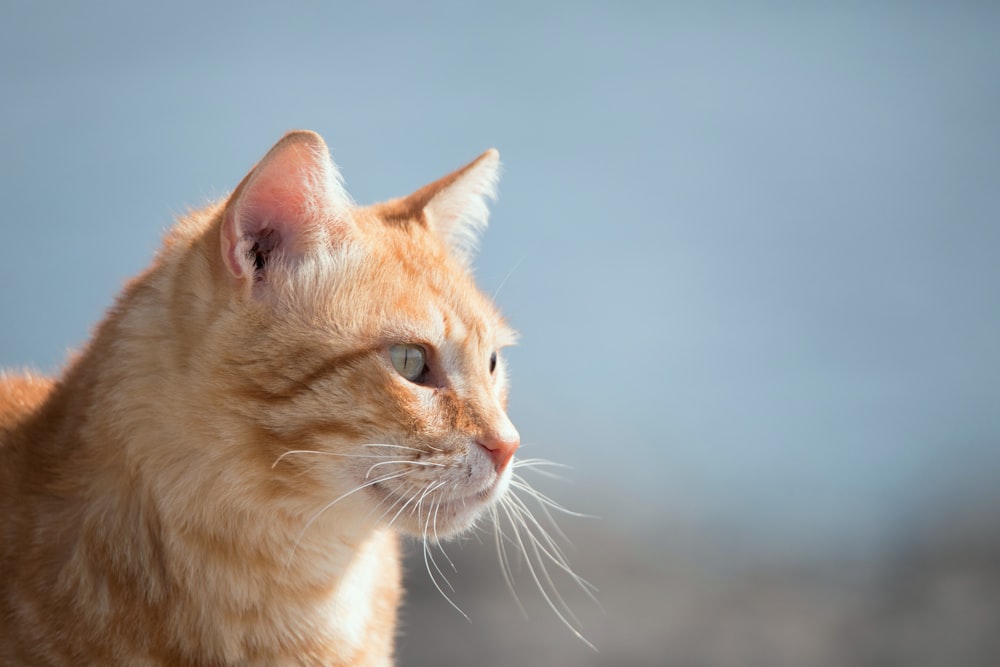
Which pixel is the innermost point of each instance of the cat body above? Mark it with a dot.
(219, 477)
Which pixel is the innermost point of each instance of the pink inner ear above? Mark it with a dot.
(233, 254)
(277, 210)
(252, 237)
(249, 254)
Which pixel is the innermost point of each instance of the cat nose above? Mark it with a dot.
(500, 445)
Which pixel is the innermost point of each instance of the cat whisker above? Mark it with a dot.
(417, 507)
(543, 504)
(405, 462)
(507, 510)
(412, 449)
(541, 499)
(322, 453)
(430, 551)
(428, 559)
(518, 482)
(420, 502)
(505, 569)
(538, 549)
(437, 540)
(334, 502)
(407, 504)
(535, 462)
(503, 282)
(556, 555)
(391, 507)
(536, 465)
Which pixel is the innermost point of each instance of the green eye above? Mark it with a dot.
(410, 361)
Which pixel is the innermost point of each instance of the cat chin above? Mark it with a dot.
(449, 516)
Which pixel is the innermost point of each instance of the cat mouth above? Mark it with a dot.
(427, 513)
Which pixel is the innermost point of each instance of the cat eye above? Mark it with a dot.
(493, 362)
(409, 360)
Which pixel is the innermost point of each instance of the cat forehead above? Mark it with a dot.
(417, 275)
(439, 325)
(383, 295)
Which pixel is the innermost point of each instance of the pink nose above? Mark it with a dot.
(501, 447)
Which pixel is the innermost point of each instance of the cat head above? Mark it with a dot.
(362, 363)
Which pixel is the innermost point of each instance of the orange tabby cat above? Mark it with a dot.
(218, 477)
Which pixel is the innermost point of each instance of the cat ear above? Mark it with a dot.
(291, 200)
(454, 207)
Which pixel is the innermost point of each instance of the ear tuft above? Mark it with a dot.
(457, 209)
(291, 200)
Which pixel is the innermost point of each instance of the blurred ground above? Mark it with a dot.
(932, 600)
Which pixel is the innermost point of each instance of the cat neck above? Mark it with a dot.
(151, 482)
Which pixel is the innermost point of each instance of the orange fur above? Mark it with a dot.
(220, 476)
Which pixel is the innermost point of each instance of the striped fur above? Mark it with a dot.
(219, 477)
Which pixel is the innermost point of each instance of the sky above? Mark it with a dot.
(752, 248)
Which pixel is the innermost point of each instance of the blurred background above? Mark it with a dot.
(753, 250)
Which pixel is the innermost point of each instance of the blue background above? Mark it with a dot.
(753, 249)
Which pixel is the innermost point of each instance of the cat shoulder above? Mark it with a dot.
(20, 395)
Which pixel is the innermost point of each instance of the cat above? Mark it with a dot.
(221, 475)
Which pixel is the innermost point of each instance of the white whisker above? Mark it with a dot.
(522, 510)
(538, 463)
(505, 569)
(538, 466)
(432, 488)
(556, 555)
(534, 575)
(536, 547)
(518, 483)
(320, 453)
(430, 553)
(437, 540)
(412, 449)
(428, 559)
(405, 505)
(503, 282)
(398, 500)
(428, 464)
(334, 502)
(541, 500)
